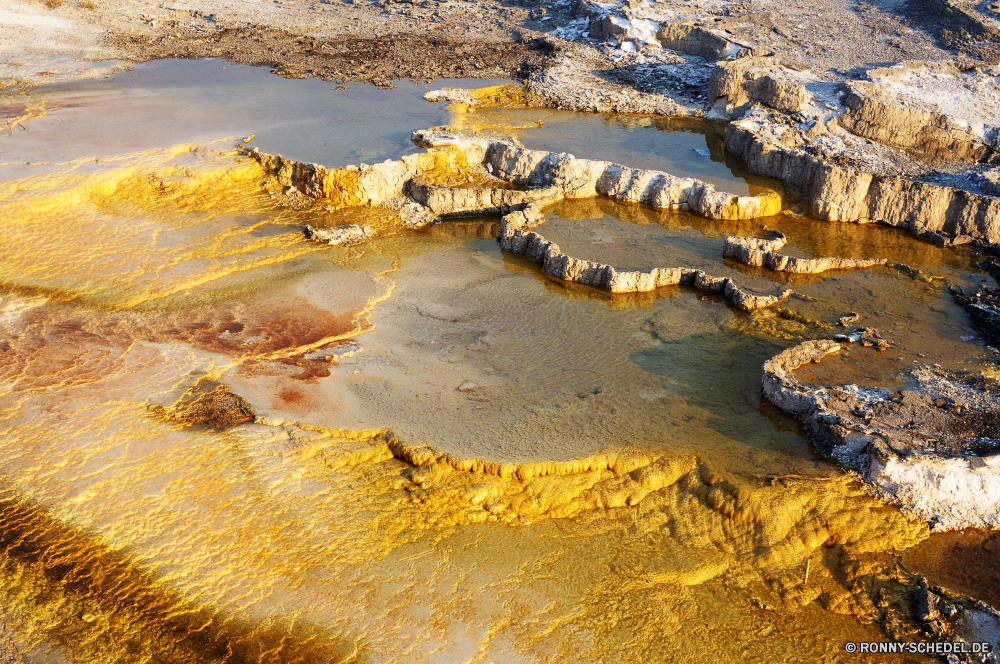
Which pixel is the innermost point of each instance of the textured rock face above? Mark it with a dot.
(516, 236)
(874, 112)
(758, 252)
(401, 185)
(646, 24)
(583, 178)
(475, 201)
(709, 44)
(737, 84)
(341, 236)
(933, 450)
(844, 192)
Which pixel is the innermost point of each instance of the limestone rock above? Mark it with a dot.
(759, 252)
(933, 451)
(516, 237)
(932, 109)
(843, 193)
(737, 84)
(341, 236)
(709, 44)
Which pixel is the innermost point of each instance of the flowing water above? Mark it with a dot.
(455, 457)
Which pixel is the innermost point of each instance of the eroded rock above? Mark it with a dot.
(341, 236)
(858, 189)
(934, 110)
(758, 252)
(737, 84)
(516, 236)
(934, 450)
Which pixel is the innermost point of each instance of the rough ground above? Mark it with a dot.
(359, 39)
(931, 448)
(900, 98)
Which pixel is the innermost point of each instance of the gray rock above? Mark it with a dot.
(925, 604)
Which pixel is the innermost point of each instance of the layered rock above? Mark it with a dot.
(737, 84)
(583, 178)
(759, 252)
(516, 236)
(560, 175)
(845, 191)
(543, 178)
(935, 111)
(934, 450)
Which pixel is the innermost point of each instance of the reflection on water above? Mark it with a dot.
(455, 457)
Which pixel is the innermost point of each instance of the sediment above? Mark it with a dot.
(933, 450)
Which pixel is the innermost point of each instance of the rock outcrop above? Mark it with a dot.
(935, 111)
(737, 84)
(516, 236)
(545, 176)
(845, 191)
(759, 252)
(934, 450)
(540, 178)
(571, 177)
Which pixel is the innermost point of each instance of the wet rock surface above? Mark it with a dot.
(542, 178)
(758, 252)
(983, 307)
(208, 403)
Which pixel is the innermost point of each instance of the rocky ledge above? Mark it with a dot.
(412, 188)
(933, 449)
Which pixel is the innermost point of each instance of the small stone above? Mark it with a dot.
(935, 627)
(468, 386)
(925, 604)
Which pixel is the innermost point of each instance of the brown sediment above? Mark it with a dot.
(966, 561)
(379, 60)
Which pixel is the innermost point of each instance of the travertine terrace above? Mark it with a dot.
(510, 330)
